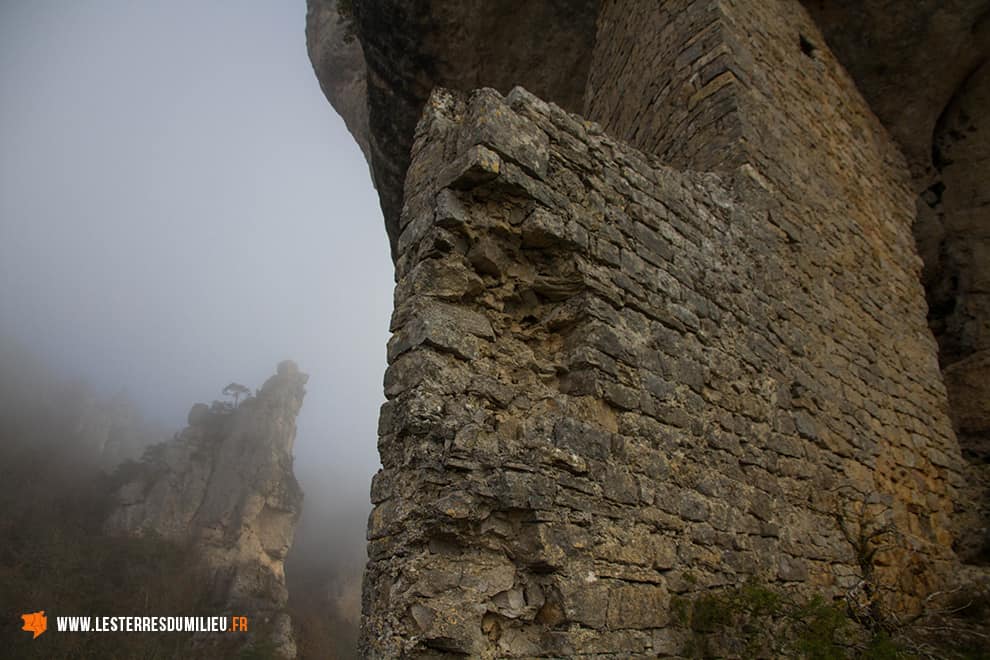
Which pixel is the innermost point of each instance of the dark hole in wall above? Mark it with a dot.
(807, 47)
(947, 304)
(939, 160)
(980, 555)
(933, 195)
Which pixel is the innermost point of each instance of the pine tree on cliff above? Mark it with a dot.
(236, 390)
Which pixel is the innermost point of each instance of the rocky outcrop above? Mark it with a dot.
(335, 50)
(415, 46)
(614, 381)
(412, 47)
(955, 214)
(225, 485)
(908, 59)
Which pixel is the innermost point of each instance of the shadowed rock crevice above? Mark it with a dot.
(955, 218)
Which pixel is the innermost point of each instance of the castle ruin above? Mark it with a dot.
(671, 311)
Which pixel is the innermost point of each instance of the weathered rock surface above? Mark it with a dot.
(336, 51)
(918, 64)
(225, 485)
(908, 59)
(924, 68)
(613, 383)
(954, 215)
(969, 393)
(412, 47)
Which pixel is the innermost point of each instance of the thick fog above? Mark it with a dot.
(180, 208)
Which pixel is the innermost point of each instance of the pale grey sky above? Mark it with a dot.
(180, 207)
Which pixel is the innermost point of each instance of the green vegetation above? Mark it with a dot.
(756, 621)
(259, 649)
(56, 558)
(236, 390)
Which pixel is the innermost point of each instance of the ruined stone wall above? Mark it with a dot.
(802, 130)
(615, 379)
(664, 79)
(612, 382)
(710, 85)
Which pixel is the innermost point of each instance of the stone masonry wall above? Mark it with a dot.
(762, 94)
(611, 382)
(664, 79)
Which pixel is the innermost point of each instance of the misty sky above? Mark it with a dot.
(180, 207)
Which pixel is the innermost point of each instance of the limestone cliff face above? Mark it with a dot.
(225, 485)
(412, 47)
(334, 48)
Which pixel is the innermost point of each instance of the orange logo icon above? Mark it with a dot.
(36, 622)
